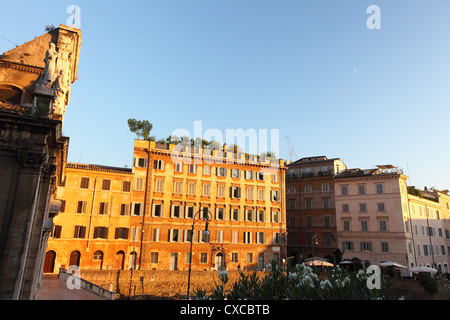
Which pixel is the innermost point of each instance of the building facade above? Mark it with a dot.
(152, 208)
(379, 220)
(311, 212)
(35, 81)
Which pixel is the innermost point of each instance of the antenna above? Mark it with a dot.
(290, 149)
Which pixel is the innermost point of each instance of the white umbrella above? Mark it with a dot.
(393, 264)
(346, 262)
(422, 269)
(319, 263)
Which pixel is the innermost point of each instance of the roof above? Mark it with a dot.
(357, 172)
(95, 167)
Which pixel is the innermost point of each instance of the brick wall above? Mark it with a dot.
(156, 282)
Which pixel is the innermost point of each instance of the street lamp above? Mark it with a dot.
(206, 217)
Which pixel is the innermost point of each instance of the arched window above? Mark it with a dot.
(74, 258)
(98, 258)
(10, 94)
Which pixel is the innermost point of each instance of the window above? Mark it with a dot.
(126, 186)
(249, 175)
(366, 246)
(235, 237)
(260, 176)
(308, 188)
(159, 164)
(191, 188)
(260, 237)
(261, 216)
(221, 172)
(344, 190)
(326, 203)
(381, 207)
(84, 183)
(308, 203)
(157, 210)
(275, 177)
(260, 194)
(308, 221)
(187, 257)
(275, 195)
(235, 192)
(364, 225)
(174, 235)
(362, 207)
(177, 186)
(219, 238)
(139, 184)
(159, 185)
(326, 221)
(275, 216)
(220, 214)
(384, 247)
(140, 162)
(124, 209)
(234, 257)
(206, 170)
(206, 189)
(346, 225)
(192, 168)
(345, 207)
(361, 189)
(178, 167)
(379, 188)
(204, 213)
(276, 238)
(106, 185)
(79, 232)
(325, 187)
(247, 237)
(56, 232)
(249, 194)
(154, 257)
(235, 173)
(234, 215)
(176, 211)
(221, 191)
(137, 209)
(155, 235)
(190, 212)
(347, 245)
(327, 239)
(103, 209)
(121, 233)
(135, 234)
(249, 257)
(291, 189)
(249, 215)
(383, 225)
(203, 257)
(100, 233)
(63, 206)
(189, 236)
(291, 203)
(81, 207)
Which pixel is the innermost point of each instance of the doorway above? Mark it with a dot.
(219, 261)
(173, 261)
(74, 259)
(49, 263)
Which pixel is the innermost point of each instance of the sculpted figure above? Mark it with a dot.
(59, 93)
(50, 65)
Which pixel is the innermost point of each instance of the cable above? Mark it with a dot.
(98, 121)
(9, 41)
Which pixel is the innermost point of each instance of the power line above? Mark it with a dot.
(101, 125)
(16, 45)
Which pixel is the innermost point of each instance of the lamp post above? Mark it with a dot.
(206, 217)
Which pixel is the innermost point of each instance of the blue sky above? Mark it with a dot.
(311, 69)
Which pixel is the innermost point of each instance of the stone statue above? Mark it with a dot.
(50, 65)
(59, 93)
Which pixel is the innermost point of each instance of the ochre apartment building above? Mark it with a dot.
(119, 218)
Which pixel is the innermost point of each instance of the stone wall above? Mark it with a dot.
(156, 282)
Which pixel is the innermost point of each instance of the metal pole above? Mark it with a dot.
(190, 261)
